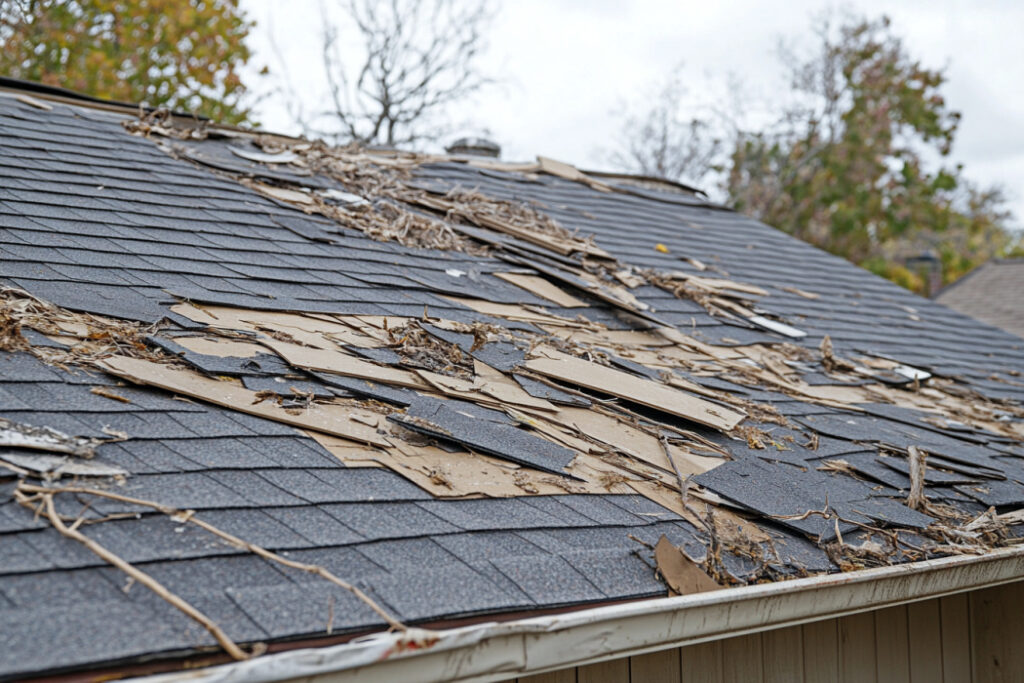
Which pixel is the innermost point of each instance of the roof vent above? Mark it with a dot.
(475, 147)
(929, 266)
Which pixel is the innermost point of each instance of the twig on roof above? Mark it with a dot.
(48, 510)
(684, 482)
(186, 516)
(649, 546)
(825, 513)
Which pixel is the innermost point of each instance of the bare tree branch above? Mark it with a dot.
(661, 142)
(418, 58)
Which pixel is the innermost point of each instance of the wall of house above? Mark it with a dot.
(977, 636)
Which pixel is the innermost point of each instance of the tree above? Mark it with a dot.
(416, 58)
(181, 54)
(846, 168)
(663, 144)
(857, 163)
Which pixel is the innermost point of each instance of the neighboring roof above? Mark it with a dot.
(993, 293)
(264, 332)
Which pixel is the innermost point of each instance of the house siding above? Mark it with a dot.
(976, 636)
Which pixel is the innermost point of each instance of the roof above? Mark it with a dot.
(263, 373)
(993, 293)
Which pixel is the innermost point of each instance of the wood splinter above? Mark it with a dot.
(916, 500)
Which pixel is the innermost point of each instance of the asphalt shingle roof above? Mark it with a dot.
(97, 220)
(992, 293)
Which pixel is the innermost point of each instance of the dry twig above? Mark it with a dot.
(136, 574)
(189, 516)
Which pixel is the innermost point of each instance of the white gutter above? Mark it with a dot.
(498, 651)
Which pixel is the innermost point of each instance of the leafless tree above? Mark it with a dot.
(418, 57)
(663, 143)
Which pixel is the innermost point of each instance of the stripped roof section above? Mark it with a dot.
(268, 271)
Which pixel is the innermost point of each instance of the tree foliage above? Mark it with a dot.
(182, 54)
(848, 169)
(858, 162)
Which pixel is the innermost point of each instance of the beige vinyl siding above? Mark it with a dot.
(977, 636)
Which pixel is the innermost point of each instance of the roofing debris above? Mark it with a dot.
(341, 418)
(642, 432)
(49, 454)
(682, 574)
(382, 198)
(534, 364)
(14, 435)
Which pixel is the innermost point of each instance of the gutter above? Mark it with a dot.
(498, 651)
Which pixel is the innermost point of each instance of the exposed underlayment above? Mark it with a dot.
(296, 391)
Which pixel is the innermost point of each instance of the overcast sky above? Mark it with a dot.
(571, 65)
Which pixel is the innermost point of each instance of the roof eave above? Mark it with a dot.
(498, 651)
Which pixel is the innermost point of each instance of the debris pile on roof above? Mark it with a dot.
(382, 198)
(539, 403)
(563, 413)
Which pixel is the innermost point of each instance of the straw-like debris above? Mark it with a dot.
(161, 122)
(86, 337)
(419, 349)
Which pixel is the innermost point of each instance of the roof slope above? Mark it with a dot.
(99, 221)
(992, 293)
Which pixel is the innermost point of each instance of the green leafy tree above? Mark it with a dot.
(858, 162)
(182, 54)
(847, 168)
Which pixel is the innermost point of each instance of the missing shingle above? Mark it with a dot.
(543, 288)
(328, 417)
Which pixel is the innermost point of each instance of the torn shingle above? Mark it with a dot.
(479, 431)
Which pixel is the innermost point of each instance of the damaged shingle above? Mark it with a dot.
(487, 431)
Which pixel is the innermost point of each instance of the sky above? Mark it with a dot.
(569, 68)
